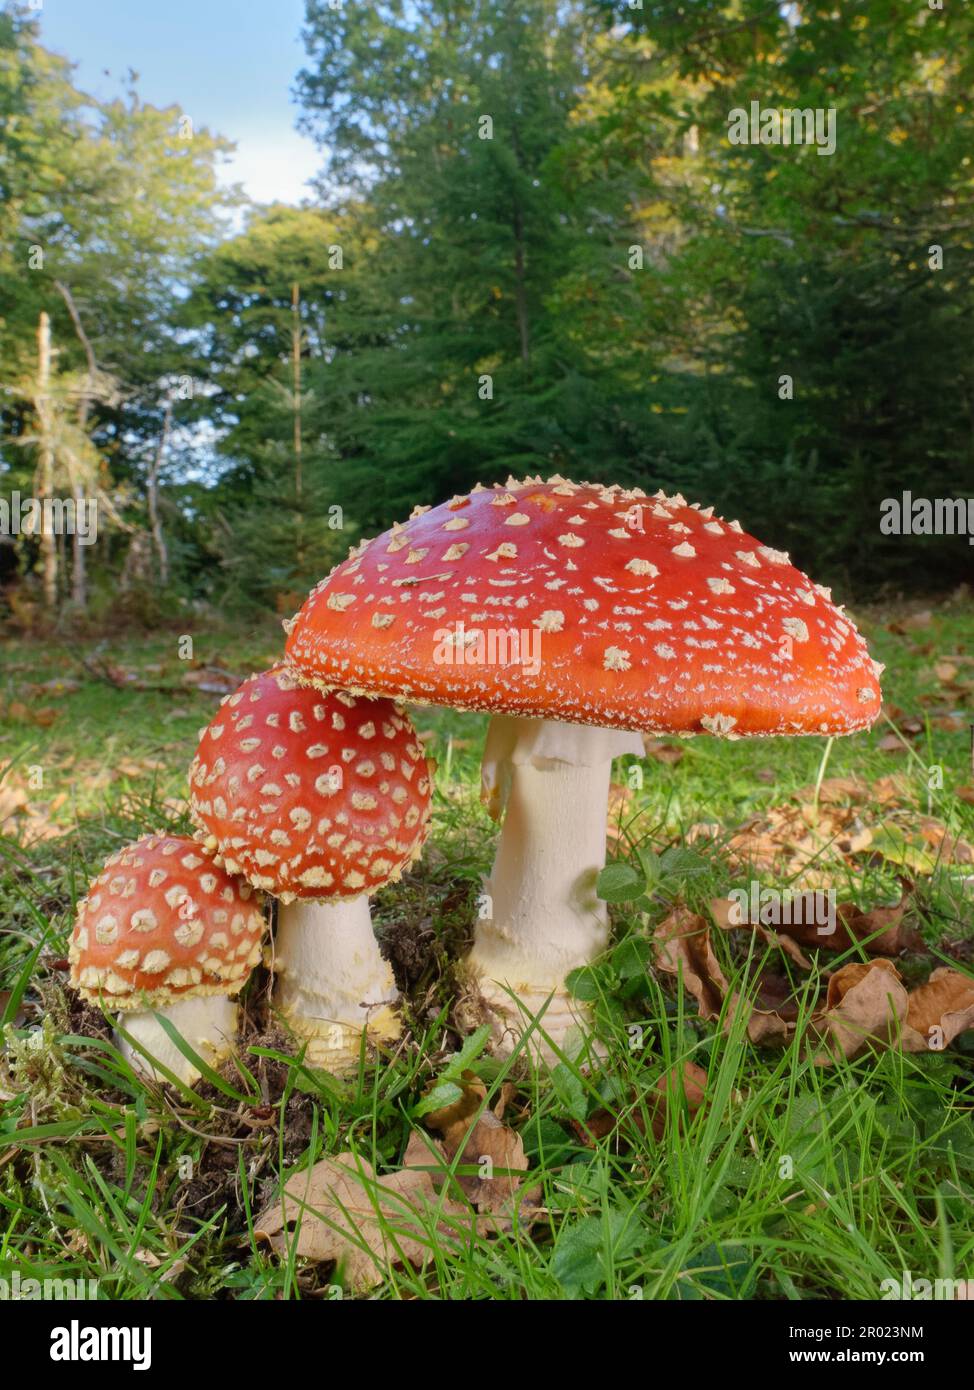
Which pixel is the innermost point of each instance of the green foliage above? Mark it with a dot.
(108, 204)
(510, 257)
(447, 1089)
(587, 1251)
(780, 262)
(623, 882)
(534, 248)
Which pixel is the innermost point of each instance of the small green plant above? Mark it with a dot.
(650, 884)
(447, 1089)
(659, 876)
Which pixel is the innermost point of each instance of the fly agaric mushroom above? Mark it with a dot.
(572, 613)
(163, 931)
(319, 800)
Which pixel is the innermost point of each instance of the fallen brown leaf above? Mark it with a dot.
(889, 789)
(835, 791)
(690, 1080)
(19, 713)
(12, 800)
(882, 930)
(915, 622)
(799, 840)
(868, 1004)
(949, 723)
(865, 1003)
(483, 1142)
(498, 1154)
(796, 839)
(343, 1212)
(26, 818)
(941, 1009)
(771, 1020)
(949, 848)
(621, 820)
(688, 1083)
(945, 671)
(851, 976)
(211, 680)
(682, 942)
(703, 830)
(663, 751)
(55, 687)
(453, 1121)
(724, 913)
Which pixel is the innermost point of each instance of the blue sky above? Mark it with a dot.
(229, 64)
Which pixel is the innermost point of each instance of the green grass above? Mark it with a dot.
(792, 1181)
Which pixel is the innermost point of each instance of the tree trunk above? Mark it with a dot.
(155, 523)
(79, 572)
(79, 568)
(298, 443)
(45, 464)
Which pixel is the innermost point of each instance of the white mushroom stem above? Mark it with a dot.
(333, 982)
(541, 917)
(207, 1022)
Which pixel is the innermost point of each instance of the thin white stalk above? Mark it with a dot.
(208, 1022)
(542, 917)
(333, 983)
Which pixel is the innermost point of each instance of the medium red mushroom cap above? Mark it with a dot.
(159, 923)
(310, 794)
(593, 605)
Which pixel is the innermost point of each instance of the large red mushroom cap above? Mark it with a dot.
(160, 923)
(310, 794)
(591, 605)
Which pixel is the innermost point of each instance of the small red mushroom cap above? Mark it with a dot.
(309, 794)
(159, 923)
(592, 605)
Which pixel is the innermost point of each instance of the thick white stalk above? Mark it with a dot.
(333, 983)
(542, 917)
(207, 1022)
